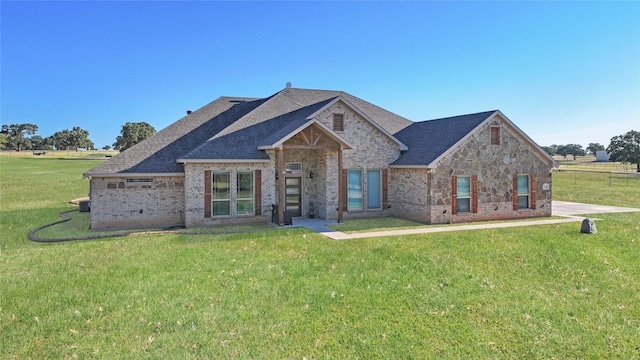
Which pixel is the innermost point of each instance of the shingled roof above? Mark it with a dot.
(427, 140)
(232, 128)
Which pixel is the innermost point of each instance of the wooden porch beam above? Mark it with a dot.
(340, 186)
(281, 195)
(310, 147)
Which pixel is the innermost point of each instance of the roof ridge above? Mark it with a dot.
(460, 116)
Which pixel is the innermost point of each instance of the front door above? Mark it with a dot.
(293, 192)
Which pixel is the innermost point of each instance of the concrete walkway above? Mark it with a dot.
(568, 210)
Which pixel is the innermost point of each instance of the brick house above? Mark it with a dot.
(322, 154)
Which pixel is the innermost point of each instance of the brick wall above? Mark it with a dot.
(117, 203)
(195, 189)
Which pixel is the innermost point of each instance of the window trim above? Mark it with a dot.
(473, 194)
(519, 195)
(349, 191)
(459, 197)
(213, 192)
(379, 189)
(251, 198)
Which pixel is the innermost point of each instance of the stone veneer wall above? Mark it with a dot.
(494, 166)
(194, 193)
(117, 204)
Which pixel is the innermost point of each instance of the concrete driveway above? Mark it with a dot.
(564, 208)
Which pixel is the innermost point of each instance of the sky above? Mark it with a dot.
(563, 72)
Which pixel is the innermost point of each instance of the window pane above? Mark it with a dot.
(221, 208)
(523, 202)
(220, 189)
(464, 186)
(354, 189)
(245, 185)
(523, 184)
(464, 205)
(244, 207)
(373, 189)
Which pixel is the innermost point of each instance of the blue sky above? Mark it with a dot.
(564, 72)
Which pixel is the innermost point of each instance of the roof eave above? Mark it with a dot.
(222, 161)
(130, 175)
(410, 167)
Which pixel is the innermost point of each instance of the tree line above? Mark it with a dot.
(21, 137)
(622, 148)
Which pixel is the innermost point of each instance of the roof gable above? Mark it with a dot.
(427, 140)
(432, 140)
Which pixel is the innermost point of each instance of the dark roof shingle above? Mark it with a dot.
(427, 140)
(233, 128)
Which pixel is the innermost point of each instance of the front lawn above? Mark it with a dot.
(531, 292)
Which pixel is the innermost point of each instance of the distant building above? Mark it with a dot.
(602, 155)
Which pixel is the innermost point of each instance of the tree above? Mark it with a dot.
(16, 135)
(131, 134)
(594, 147)
(625, 148)
(571, 149)
(38, 143)
(549, 150)
(106, 147)
(77, 138)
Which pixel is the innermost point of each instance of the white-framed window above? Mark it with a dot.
(354, 190)
(523, 191)
(244, 193)
(374, 189)
(463, 194)
(221, 193)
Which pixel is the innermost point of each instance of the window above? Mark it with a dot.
(244, 193)
(495, 135)
(354, 190)
(338, 122)
(293, 167)
(463, 195)
(221, 194)
(140, 180)
(374, 193)
(523, 191)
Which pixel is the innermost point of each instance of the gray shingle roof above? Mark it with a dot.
(427, 140)
(242, 144)
(233, 128)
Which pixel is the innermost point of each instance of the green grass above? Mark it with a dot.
(531, 292)
(597, 188)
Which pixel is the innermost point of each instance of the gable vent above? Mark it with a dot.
(295, 167)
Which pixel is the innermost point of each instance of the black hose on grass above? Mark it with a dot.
(65, 218)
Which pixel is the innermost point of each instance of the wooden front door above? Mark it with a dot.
(293, 196)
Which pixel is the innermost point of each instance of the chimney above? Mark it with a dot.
(189, 112)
